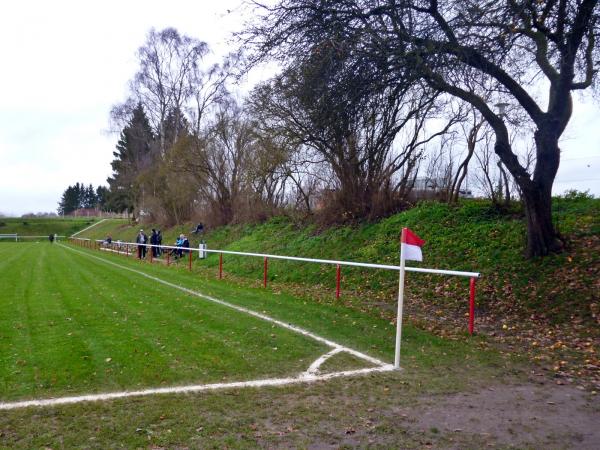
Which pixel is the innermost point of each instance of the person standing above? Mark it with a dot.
(178, 244)
(159, 242)
(154, 242)
(51, 238)
(141, 240)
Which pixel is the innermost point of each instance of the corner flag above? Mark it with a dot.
(411, 246)
(410, 249)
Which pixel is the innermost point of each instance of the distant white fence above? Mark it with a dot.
(21, 237)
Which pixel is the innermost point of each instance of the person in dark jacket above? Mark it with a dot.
(141, 240)
(199, 229)
(154, 241)
(159, 242)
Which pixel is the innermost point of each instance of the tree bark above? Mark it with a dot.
(542, 238)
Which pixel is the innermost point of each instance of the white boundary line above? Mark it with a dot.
(87, 228)
(309, 376)
(302, 378)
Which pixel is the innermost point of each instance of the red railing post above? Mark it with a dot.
(220, 266)
(190, 261)
(151, 255)
(338, 276)
(471, 305)
(265, 272)
(168, 257)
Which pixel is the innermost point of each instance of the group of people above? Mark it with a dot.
(155, 243)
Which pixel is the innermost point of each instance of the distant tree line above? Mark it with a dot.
(80, 196)
(376, 100)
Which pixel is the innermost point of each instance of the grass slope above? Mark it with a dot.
(44, 226)
(473, 236)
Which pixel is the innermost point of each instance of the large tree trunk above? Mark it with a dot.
(542, 238)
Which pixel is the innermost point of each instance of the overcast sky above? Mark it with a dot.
(65, 63)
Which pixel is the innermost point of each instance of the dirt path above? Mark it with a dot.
(528, 415)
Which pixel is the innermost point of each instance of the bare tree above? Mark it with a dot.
(465, 48)
(472, 136)
(317, 107)
(168, 76)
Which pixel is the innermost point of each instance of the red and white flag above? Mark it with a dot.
(411, 246)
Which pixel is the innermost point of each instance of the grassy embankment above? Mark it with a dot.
(472, 237)
(63, 226)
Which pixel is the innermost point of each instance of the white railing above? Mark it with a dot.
(458, 273)
(21, 237)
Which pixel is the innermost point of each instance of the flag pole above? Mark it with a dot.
(400, 302)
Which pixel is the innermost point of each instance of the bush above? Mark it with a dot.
(574, 194)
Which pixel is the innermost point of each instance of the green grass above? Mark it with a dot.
(62, 314)
(72, 325)
(473, 236)
(63, 226)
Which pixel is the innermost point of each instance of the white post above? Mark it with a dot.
(400, 304)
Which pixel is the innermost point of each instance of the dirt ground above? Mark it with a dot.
(524, 416)
(528, 415)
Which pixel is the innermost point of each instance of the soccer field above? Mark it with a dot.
(78, 325)
(74, 323)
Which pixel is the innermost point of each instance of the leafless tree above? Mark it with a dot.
(468, 49)
(363, 141)
(471, 132)
(168, 76)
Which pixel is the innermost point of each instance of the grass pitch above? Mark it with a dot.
(72, 325)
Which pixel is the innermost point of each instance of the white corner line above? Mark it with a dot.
(302, 378)
(314, 367)
(309, 376)
(87, 228)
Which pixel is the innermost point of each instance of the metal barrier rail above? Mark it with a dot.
(301, 259)
(97, 244)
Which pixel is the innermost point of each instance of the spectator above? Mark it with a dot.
(177, 252)
(159, 242)
(141, 240)
(199, 229)
(154, 242)
(51, 238)
(185, 244)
